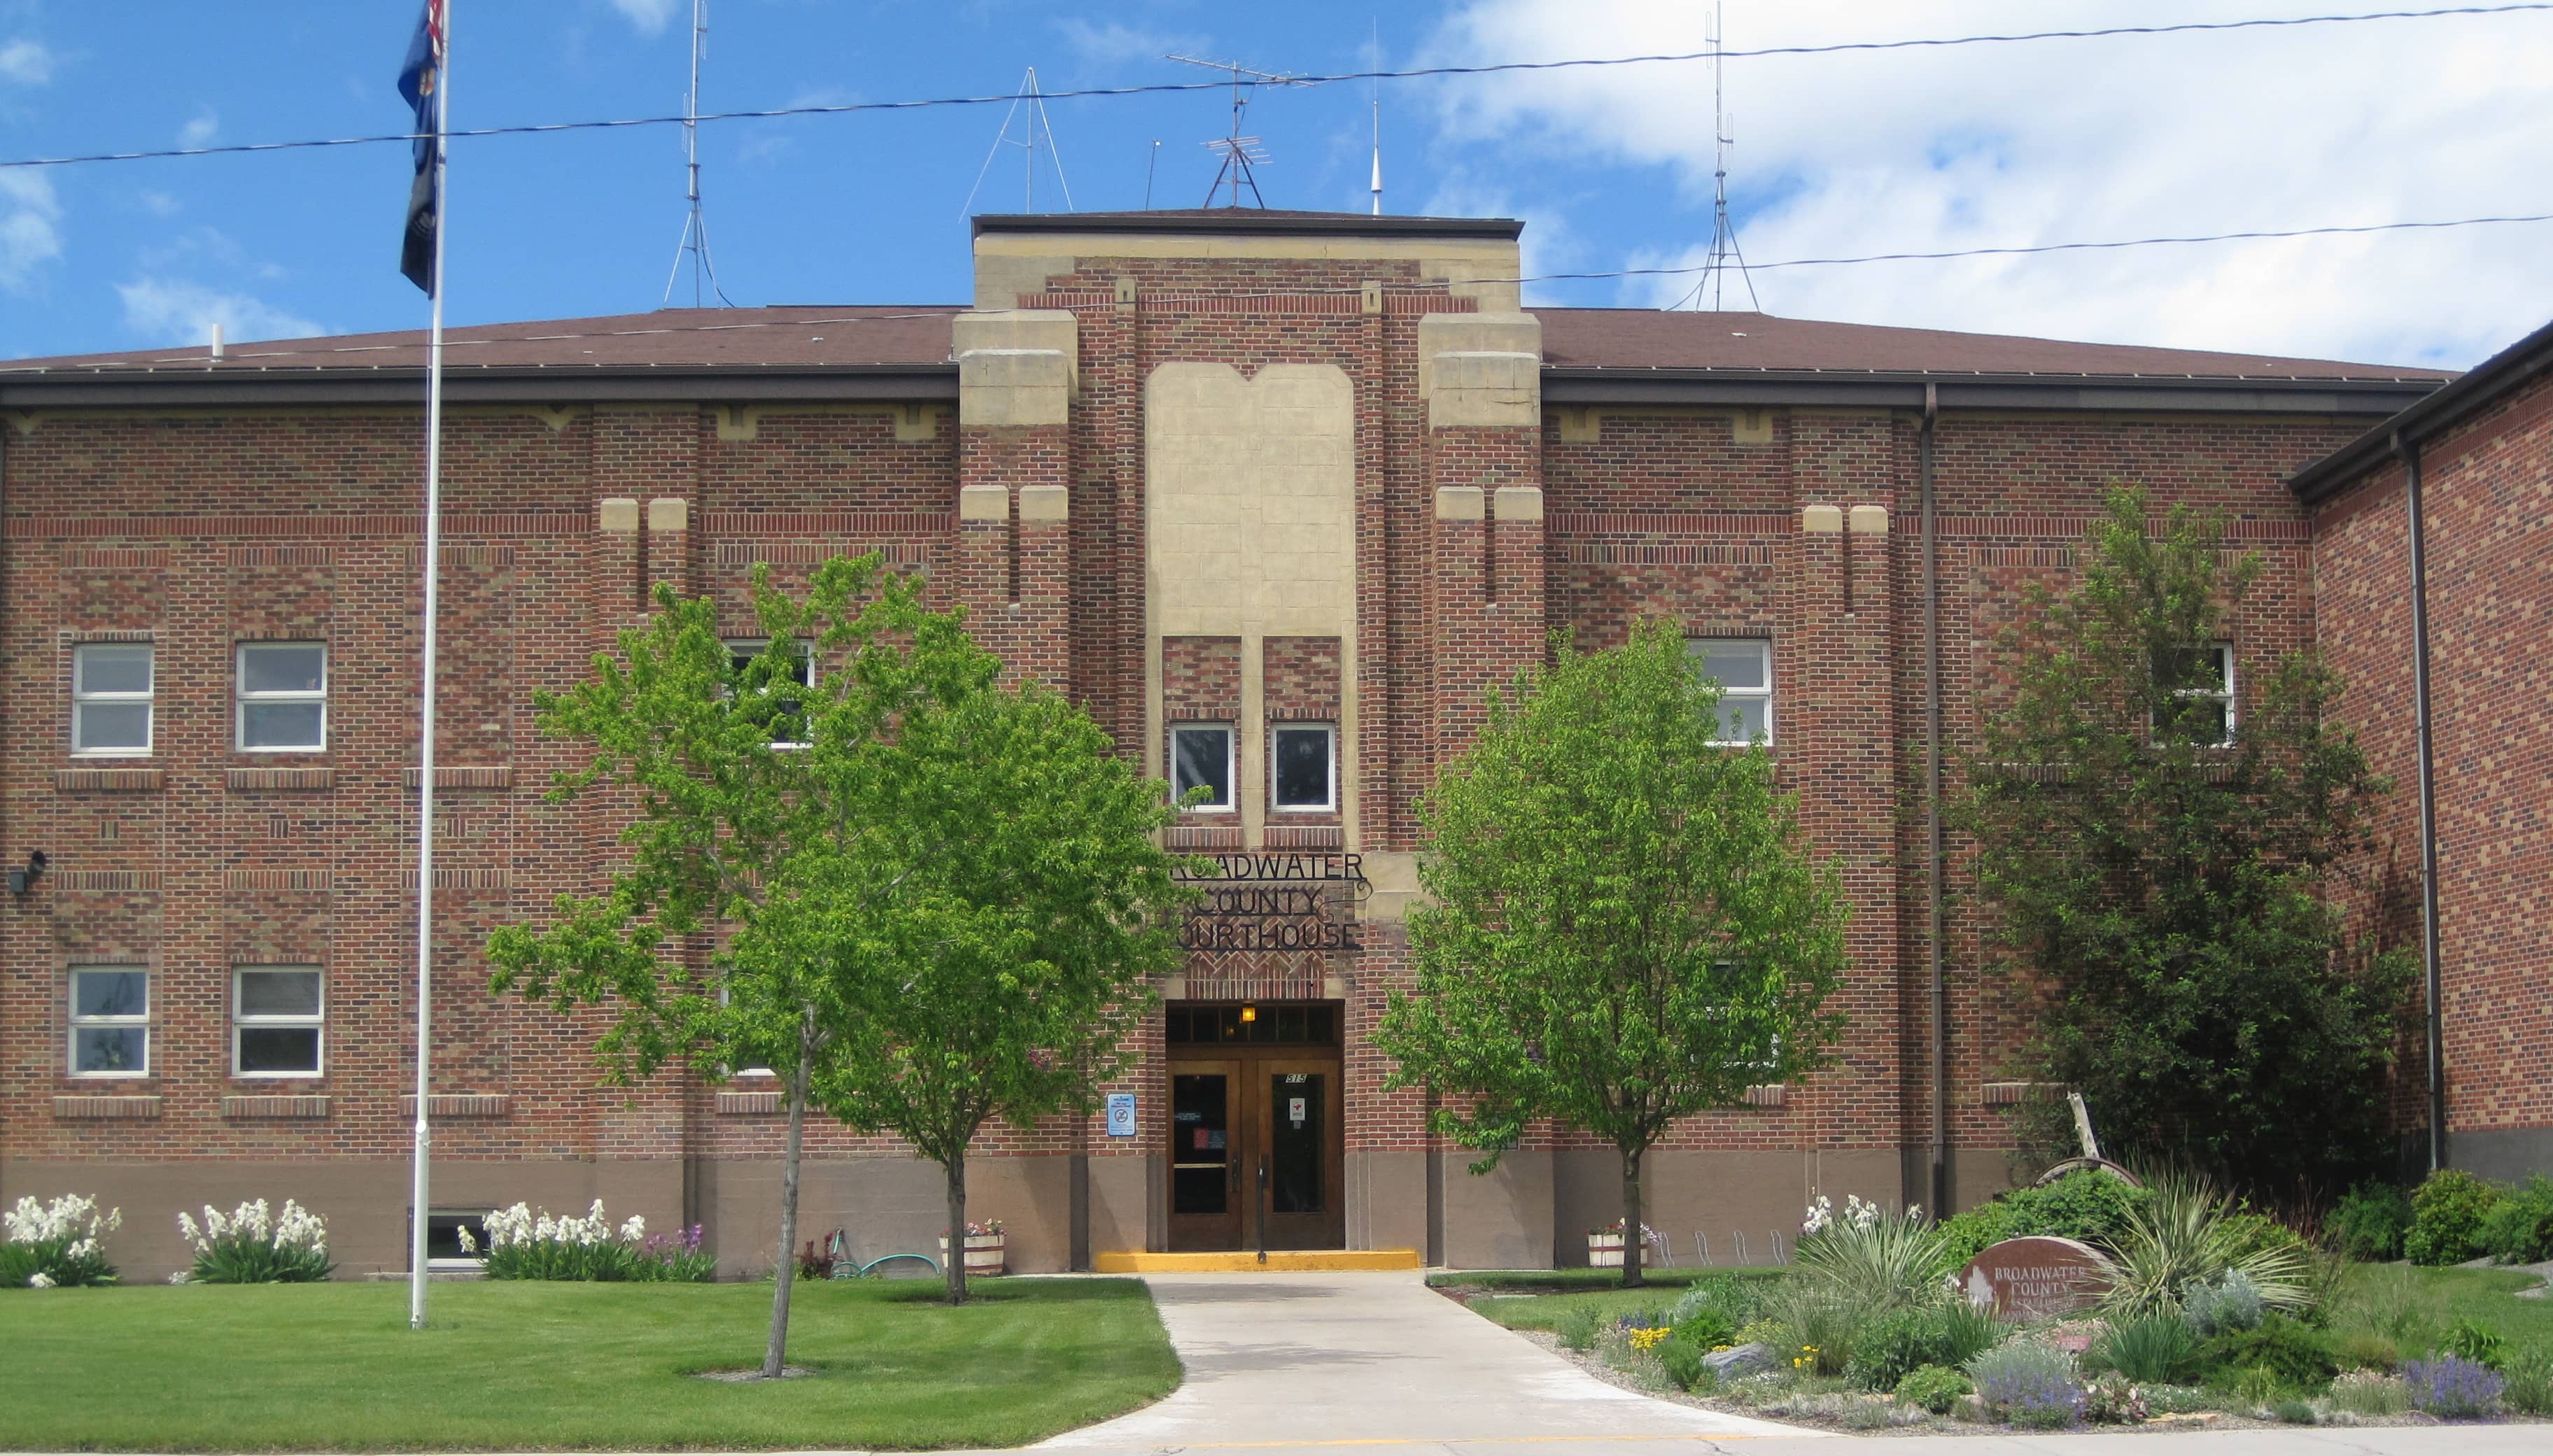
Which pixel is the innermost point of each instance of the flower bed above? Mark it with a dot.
(525, 1245)
(56, 1244)
(254, 1247)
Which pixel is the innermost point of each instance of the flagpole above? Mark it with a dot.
(419, 1202)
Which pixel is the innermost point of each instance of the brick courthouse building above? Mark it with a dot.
(1274, 494)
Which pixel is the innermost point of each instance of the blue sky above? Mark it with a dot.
(1982, 144)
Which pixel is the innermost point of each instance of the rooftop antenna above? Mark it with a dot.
(695, 228)
(1374, 54)
(1034, 133)
(1723, 233)
(1239, 153)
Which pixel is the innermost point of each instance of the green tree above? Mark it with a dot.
(732, 775)
(2161, 848)
(1626, 929)
(1001, 896)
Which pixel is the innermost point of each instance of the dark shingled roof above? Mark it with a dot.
(854, 338)
(1649, 339)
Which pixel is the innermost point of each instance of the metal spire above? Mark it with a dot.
(1037, 127)
(695, 228)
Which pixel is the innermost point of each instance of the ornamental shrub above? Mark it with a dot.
(2150, 1349)
(1681, 1360)
(2293, 1411)
(2115, 1401)
(1935, 1387)
(1894, 1345)
(2294, 1355)
(2452, 1387)
(1712, 1309)
(2232, 1302)
(1868, 1257)
(2368, 1221)
(254, 1247)
(57, 1245)
(1576, 1328)
(2447, 1214)
(522, 1245)
(2029, 1384)
(2519, 1229)
(2090, 1205)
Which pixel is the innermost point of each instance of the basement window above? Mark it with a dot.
(1201, 756)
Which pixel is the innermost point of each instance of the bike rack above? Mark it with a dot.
(845, 1267)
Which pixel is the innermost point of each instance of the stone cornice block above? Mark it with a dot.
(1474, 333)
(1016, 367)
(617, 515)
(669, 514)
(983, 504)
(1822, 521)
(1460, 502)
(1044, 503)
(1519, 502)
(1868, 520)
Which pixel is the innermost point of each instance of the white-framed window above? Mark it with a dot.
(111, 684)
(1201, 756)
(110, 1021)
(789, 715)
(1743, 668)
(283, 697)
(2203, 679)
(278, 1017)
(1303, 767)
(456, 1239)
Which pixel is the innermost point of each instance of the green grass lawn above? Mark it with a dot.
(1538, 1298)
(515, 1366)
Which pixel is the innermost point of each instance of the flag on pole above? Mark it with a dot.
(419, 76)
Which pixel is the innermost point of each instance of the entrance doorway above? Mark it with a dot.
(1257, 1143)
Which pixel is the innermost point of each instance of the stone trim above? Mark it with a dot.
(114, 1109)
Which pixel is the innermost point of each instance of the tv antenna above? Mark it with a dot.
(1035, 134)
(695, 228)
(1725, 252)
(1239, 153)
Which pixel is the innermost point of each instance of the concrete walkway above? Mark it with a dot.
(1316, 1360)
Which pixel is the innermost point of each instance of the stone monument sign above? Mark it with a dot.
(2036, 1277)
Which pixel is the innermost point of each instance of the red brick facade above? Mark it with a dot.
(1782, 504)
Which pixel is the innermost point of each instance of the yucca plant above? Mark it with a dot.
(1872, 1259)
(2185, 1234)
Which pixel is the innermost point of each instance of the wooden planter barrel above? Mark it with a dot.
(984, 1254)
(1604, 1250)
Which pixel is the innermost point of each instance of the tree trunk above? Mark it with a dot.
(1634, 1246)
(777, 1353)
(956, 1167)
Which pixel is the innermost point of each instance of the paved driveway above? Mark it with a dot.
(1315, 1360)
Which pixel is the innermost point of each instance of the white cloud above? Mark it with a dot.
(1116, 42)
(649, 16)
(31, 225)
(2058, 141)
(158, 203)
(28, 62)
(172, 311)
(200, 130)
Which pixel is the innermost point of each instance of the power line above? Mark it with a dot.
(2322, 232)
(729, 324)
(1173, 87)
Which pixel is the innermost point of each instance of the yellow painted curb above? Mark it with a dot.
(1279, 1261)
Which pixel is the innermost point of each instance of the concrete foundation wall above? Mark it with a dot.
(1387, 1200)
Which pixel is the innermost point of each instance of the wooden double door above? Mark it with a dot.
(1256, 1147)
